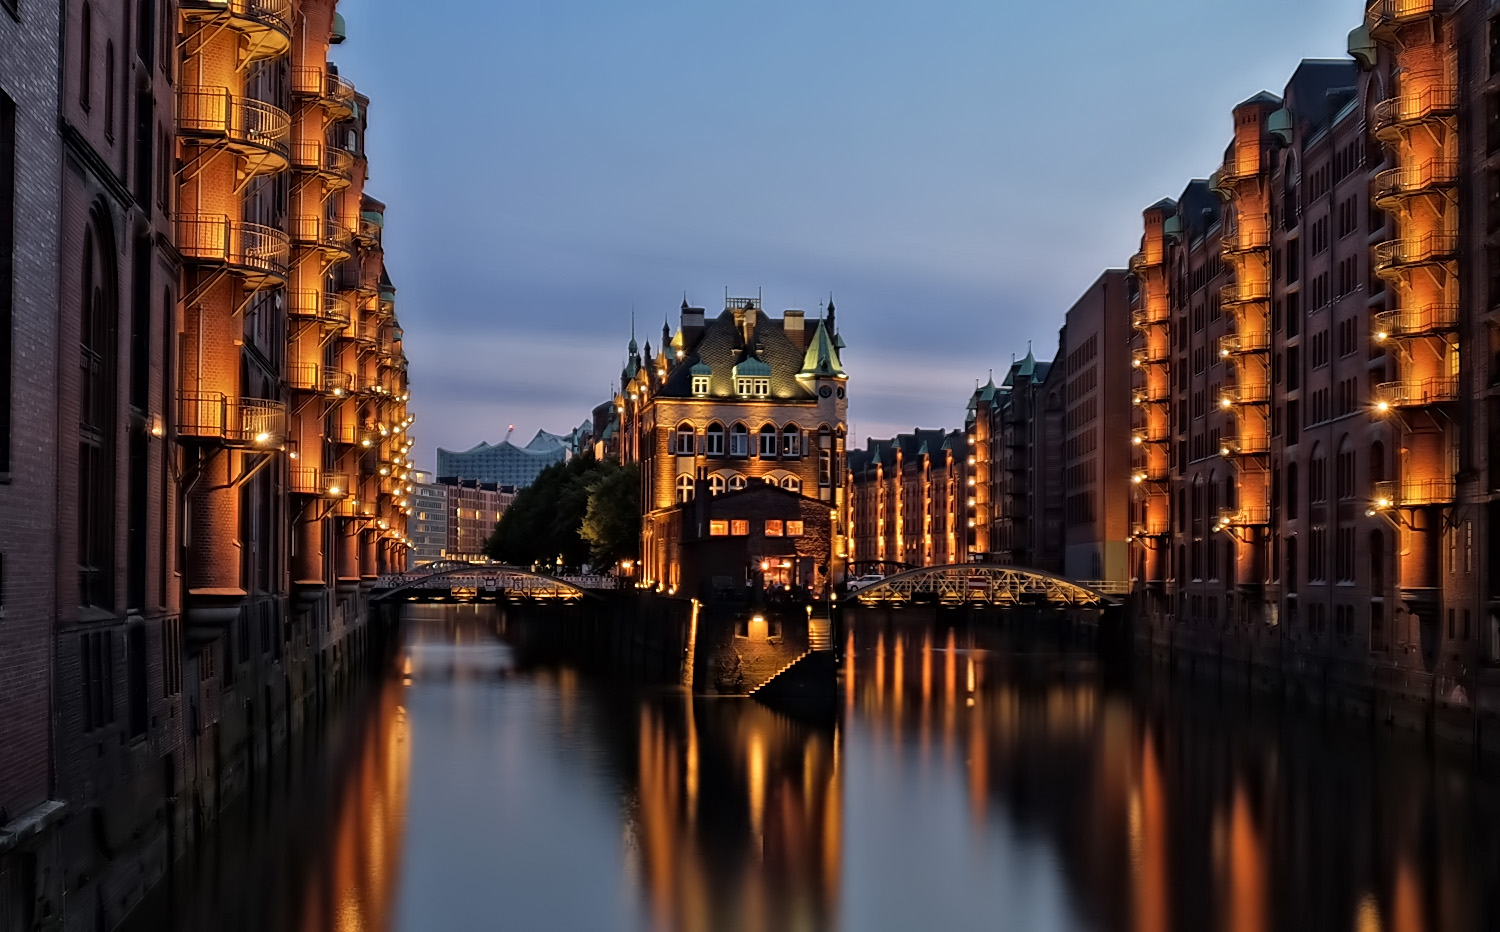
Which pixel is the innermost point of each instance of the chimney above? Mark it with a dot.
(791, 322)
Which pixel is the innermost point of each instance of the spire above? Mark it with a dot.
(832, 327)
(684, 301)
(666, 333)
(822, 357)
(634, 348)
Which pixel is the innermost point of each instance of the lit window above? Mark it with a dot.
(755, 386)
(739, 527)
(773, 528)
(794, 529)
(714, 440)
(739, 441)
(791, 441)
(718, 528)
(700, 385)
(685, 438)
(684, 488)
(768, 441)
(716, 484)
(736, 483)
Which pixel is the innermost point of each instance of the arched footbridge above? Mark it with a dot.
(493, 580)
(984, 583)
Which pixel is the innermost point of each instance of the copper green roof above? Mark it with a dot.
(822, 357)
(752, 366)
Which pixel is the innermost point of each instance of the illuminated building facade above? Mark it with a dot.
(724, 403)
(231, 475)
(907, 500)
(1313, 431)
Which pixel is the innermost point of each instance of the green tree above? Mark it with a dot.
(550, 517)
(612, 521)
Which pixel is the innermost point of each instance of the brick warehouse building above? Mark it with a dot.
(726, 401)
(239, 472)
(1316, 358)
(906, 501)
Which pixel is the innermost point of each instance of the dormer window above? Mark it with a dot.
(753, 386)
(700, 385)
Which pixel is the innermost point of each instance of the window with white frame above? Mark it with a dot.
(755, 386)
(792, 484)
(739, 441)
(685, 438)
(700, 385)
(684, 488)
(736, 482)
(714, 440)
(791, 441)
(768, 440)
(716, 484)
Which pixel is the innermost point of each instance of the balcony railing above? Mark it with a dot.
(1393, 114)
(1250, 341)
(267, 22)
(1394, 255)
(346, 433)
(335, 165)
(353, 278)
(1245, 393)
(1415, 393)
(323, 306)
(304, 377)
(323, 233)
(1141, 318)
(1152, 394)
(1244, 517)
(1245, 445)
(1414, 492)
(1382, 15)
(254, 251)
(331, 91)
(256, 422)
(369, 230)
(1416, 321)
(1395, 183)
(1236, 169)
(1245, 292)
(1239, 241)
(1150, 527)
(1157, 471)
(251, 127)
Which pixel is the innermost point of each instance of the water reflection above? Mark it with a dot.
(964, 785)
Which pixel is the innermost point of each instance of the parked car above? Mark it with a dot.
(860, 582)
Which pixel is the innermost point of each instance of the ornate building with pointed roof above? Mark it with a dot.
(731, 405)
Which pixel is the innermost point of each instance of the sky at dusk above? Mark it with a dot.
(955, 172)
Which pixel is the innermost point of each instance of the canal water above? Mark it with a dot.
(956, 788)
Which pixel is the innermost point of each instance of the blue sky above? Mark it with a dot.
(956, 172)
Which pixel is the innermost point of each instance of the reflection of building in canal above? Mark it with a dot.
(716, 772)
(1179, 812)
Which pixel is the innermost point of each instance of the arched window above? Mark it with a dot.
(739, 441)
(1344, 470)
(716, 484)
(714, 440)
(825, 456)
(792, 484)
(1377, 563)
(1317, 476)
(1291, 490)
(109, 90)
(98, 313)
(685, 440)
(768, 441)
(736, 482)
(791, 441)
(685, 488)
(1377, 462)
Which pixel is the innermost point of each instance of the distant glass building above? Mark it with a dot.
(505, 463)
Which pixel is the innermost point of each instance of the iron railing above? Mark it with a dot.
(1248, 341)
(247, 246)
(215, 416)
(1406, 322)
(1394, 112)
(1413, 251)
(213, 112)
(1415, 393)
(1415, 179)
(1414, 492)
(270, 14)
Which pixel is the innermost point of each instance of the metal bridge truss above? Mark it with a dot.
(487, 579)
(984, 583)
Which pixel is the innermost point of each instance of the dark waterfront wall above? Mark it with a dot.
(1415, 694)
(652, 639)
